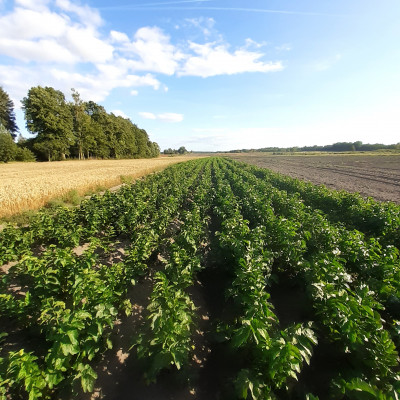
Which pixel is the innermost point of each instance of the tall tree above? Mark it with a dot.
(47, 114)
(142, 140)
(7, 115)
(99, 146)
(81, 124)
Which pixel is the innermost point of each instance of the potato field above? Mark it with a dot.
(213, 279)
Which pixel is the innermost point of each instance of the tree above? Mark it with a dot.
(7, 115)
(182, 150)
(8, 148)
(357, 145)
(96, 143)
(155, 149)
(81, 124)
(142, 140)
(47, 114)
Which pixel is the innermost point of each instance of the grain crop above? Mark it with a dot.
(27, 186)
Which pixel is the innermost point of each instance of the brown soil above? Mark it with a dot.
(376, 176)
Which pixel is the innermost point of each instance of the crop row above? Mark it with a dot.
(68, 302)
(64, 288)
(335, 267)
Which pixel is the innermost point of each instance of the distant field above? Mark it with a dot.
(377, 176)
(25, 186)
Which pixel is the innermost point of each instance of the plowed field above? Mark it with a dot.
(377, 176)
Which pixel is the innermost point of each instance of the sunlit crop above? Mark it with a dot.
(25, 186)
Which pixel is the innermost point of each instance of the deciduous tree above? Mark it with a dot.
(7, 115)
(47, 114)
(8, 148)
(81, 124)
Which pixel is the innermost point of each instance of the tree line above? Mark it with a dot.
(335, 147)
(69, 129)
(181, 150)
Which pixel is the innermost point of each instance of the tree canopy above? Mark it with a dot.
(181, 150)
(7, 115)
(80, 129)
(10, 151)
(335, 147)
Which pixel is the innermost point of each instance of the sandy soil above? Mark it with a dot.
(377, 176)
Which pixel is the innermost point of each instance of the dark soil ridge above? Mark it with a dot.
(376, 176)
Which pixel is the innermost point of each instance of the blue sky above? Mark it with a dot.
(216, 74)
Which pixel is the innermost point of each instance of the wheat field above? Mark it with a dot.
(29, 186)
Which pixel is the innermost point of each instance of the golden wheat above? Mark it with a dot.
(27, 186)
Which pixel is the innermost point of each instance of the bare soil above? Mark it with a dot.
(376, 176)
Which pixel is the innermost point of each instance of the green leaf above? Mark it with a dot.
(73, 336)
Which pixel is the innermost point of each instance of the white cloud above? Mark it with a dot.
(147, 115)
(120, 113)
(284, 47)
(134, 92)
(82, 42)
(32, 24)
(62, 46)
(170, 117)
(152, 51)
(205, 25)
(213, 59)
(40, 35)
(86, 14)
(119, 37)
(18, 80)
(252, 43)
(44, 50)
(33, 4)
(97, 87)
(164, 117)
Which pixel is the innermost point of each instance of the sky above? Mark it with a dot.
(215, 75)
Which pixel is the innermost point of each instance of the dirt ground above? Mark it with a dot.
(377, 176)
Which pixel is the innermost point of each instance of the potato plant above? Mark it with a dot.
(61, 287)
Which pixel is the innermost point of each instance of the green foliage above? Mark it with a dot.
(170, 318)
(359, 389)
(23, 370)
(47, 114)
(80, 129)
(24, 154)
(335, 147)
(181, 150)
(350, 279)
(8, 148)
(7, 115)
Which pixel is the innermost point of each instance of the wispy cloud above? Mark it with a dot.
(284, 47)
(164, 117)
(325, 64)
(170, 117)
(120, 113)
(148, 5)
(205, 25)
(171, 7)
